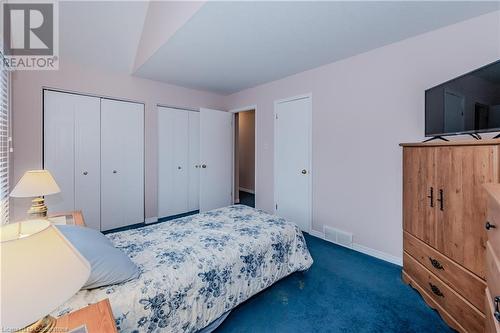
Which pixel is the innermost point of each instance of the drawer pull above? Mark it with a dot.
(436, 263)
(441, 199)
(436, 290)
(431, 197)
(489, 226)
(497, 311)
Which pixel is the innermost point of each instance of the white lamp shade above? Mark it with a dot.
(35, 183)
(40, 270)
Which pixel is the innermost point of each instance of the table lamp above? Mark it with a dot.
(40, 270)
(36, 183)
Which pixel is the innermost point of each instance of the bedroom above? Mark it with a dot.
(134, 120)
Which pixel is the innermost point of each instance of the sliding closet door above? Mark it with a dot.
(122, 163)
(58, 147)
(194, 161)
(216, 154)
(173, 159)
(292, 161)
(88, 160)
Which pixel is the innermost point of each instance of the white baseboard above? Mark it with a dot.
(318, 234)
(378, 254)
(242, 189)
(151, 219)
(363, 249)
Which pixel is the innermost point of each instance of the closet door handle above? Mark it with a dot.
(441, 199)
(431, 196)
(114, 171)
(179, 168)
(85, 173)
(204, 166)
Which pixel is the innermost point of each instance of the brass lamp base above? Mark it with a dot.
(44, 325)
(38, 208)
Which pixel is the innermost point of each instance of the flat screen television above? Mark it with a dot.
(465, 105)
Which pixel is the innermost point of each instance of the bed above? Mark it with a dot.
(195, 269)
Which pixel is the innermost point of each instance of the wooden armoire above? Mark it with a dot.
(444, 235)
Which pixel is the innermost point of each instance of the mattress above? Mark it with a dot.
(197, 268)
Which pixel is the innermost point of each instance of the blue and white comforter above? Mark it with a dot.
(196, 268)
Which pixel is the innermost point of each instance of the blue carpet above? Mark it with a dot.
(247, 199)
(344, 291)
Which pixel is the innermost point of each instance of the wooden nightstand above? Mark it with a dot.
(71, 218)
(98, 318)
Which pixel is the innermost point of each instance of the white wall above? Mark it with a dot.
(363, 107)
(27, 115)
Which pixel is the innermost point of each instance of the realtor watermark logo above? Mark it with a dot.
(31, 35)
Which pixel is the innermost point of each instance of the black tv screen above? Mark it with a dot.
(467, 104)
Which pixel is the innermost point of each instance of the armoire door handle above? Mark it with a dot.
(497, 310)
(431, 196)
(441, 199)
(489, 226)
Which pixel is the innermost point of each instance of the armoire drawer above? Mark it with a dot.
(492, 325)
(458, 278)
(470, 318)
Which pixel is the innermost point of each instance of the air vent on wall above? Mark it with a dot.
(338, 236)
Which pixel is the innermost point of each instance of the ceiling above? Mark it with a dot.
(103, 34)
(226, 47)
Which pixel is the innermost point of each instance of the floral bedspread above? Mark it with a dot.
(196, 268)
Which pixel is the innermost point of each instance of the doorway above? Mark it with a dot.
(244, 157)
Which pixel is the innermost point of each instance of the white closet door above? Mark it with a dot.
(292, 161)
(216, 152)
(173, 165)
(58, 150)
(88, 160)
(194, 161)
(122, 163)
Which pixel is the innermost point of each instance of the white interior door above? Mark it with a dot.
(59, 141)
(216, 147)
(292, 161)
(122, 163)
(194, 161)
(88, 160)
(173, 164)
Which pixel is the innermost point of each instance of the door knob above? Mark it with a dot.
(114, 171)
(304, 171)
(85, 173)
(196, 166)
(179, 167)
(204, 166)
